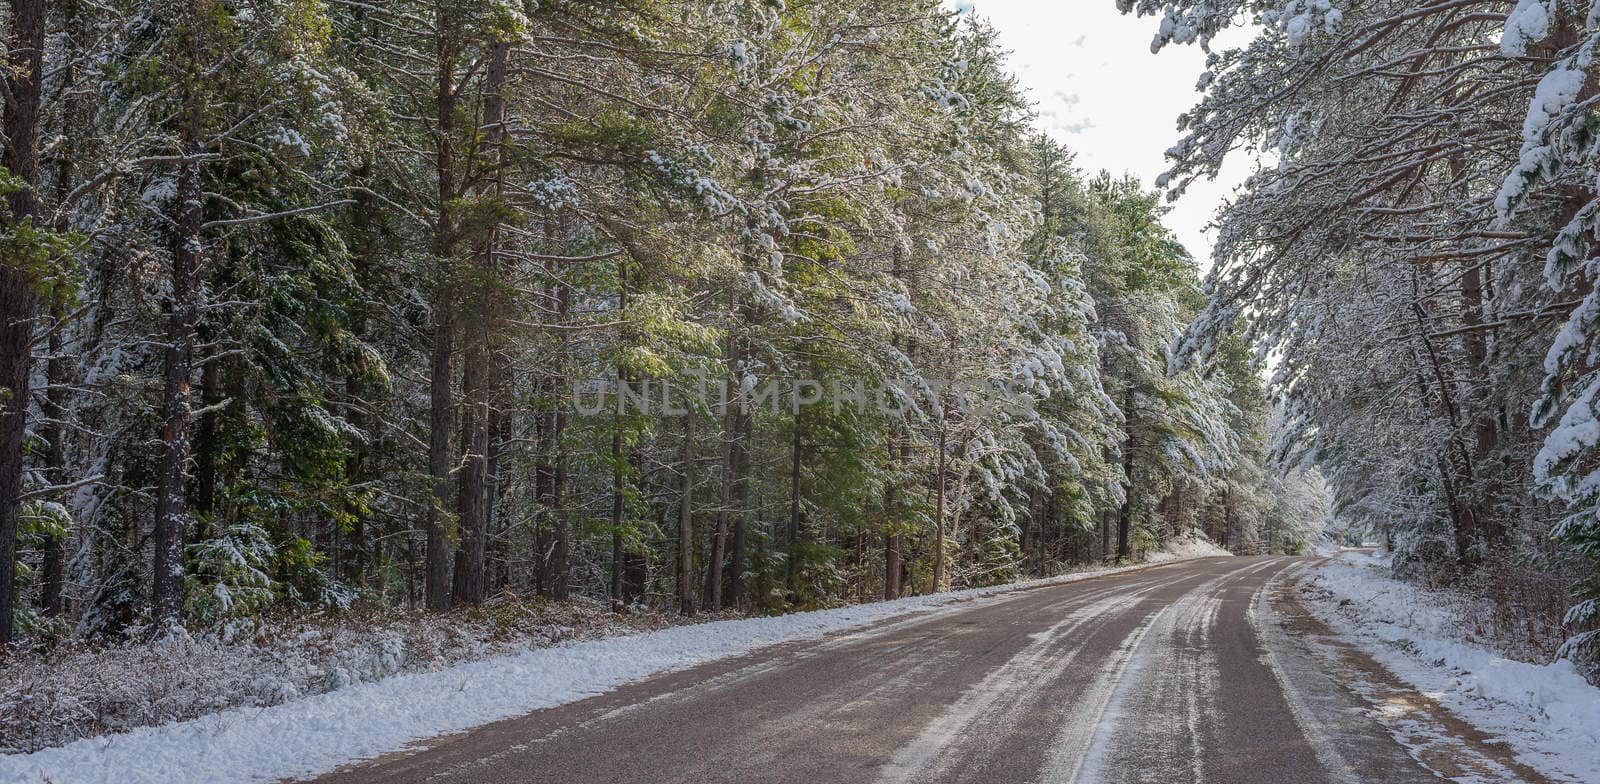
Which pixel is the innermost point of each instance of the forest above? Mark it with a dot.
(312, 306)
(1417, 253)
(754, 306)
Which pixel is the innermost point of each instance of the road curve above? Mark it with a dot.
(1179, 673)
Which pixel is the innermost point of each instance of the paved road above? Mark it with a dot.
(1180, 673)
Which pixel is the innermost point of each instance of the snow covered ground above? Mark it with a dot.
(1191, 545)
(315, 734)
(1548, 713)
(85, 688)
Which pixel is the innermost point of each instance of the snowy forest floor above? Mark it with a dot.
(80, 690)
(1441, 644)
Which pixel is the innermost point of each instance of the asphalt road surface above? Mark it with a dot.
(1180, 673)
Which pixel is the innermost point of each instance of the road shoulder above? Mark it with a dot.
(1347, 695)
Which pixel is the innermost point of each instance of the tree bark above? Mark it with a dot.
(938, 514)
(741, 496)
(792, 534)
(560, 572)
(19, 299)
(561, 547)
(711, 599)
(617, 552)
(476, 381)
(441, 381)
(1485, 432)
(686, 522)
(1125, 514)
(467, 580)
(1455, 466)
(58, 369)
(441, 415)
(172, 508)
(363, 261)
(495, 567)
(891, 566)
(732, 416)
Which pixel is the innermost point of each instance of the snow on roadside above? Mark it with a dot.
(1548, 713)
(314, 735)
(1191, 545)
(88, 687)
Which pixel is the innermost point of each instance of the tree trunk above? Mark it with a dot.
(737, 589)
(467, 580)
(731, 415)
(719, 538)
(685, 582)
(792, 534)
(172, 509)
(58, 369)
(1025, 536)
(891, 536)
(363, 261)
(19, 299)
(476, 383)
(53, 569)
(617, 553)
(1125, 514)
(891, 566)
(1227, 515)
(441, 415)
(561, 548)
(496, 573)
(441, 381)
(544, 481)
(1485, 432)
(938, 514)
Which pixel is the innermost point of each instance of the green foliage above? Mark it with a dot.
(681, 194)
(232, 577)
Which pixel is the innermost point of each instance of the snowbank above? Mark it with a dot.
(1191, 545)
(1548, 713)
(313, 735)
(88, 688)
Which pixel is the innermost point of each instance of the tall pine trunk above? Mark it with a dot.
(19, 300)
(740, 456)
(54, 411)
(172, 508)
(685, 570)
(441, 392)
(792, 535)
(891, 566)
(1485, 430)
(58, 369)
(476, 383)
(938, 512)
(561, 548)
(560, 568)
(733, 411)
(711, 599)
(1125, 513)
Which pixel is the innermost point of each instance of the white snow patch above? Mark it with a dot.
(1193, 544)
(314, 735)
(1528, 23)
(1548, 714)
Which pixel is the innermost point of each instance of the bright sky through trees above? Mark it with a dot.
(1101, 92)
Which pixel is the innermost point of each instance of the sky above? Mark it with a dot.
(1100, 91)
